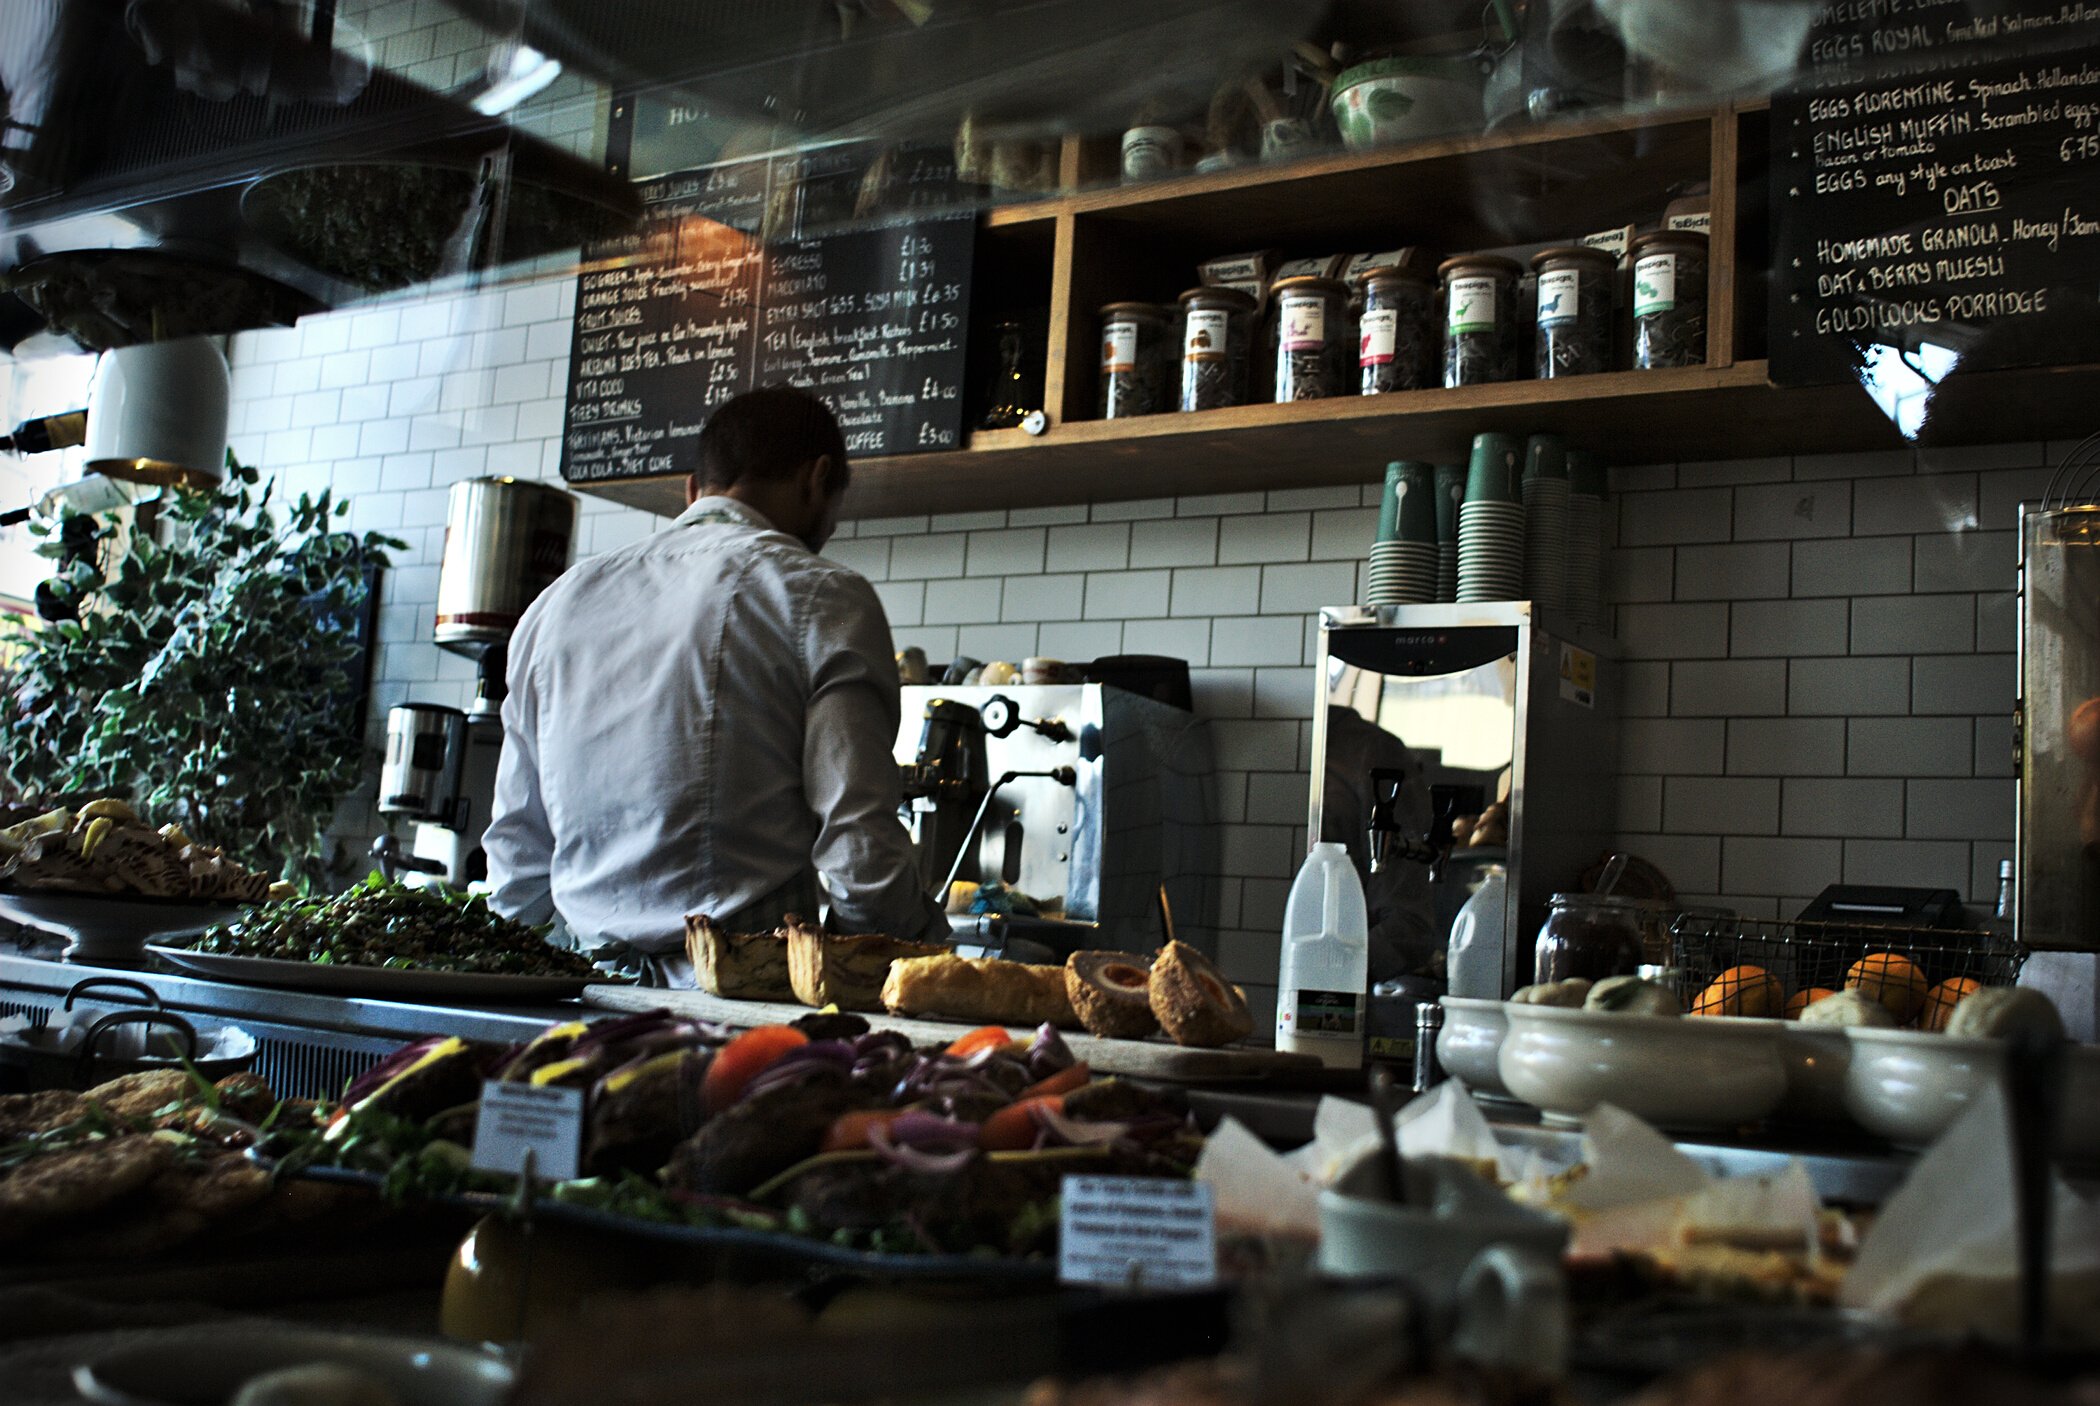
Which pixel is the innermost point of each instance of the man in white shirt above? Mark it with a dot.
(702, 722)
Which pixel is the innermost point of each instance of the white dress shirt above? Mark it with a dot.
(695, 722)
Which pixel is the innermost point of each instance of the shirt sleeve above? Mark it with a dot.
(848, 772)
(519, 841)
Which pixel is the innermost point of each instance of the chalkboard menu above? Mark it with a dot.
(697, 307)
(1936, 190)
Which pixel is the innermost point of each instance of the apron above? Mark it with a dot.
(801, 896)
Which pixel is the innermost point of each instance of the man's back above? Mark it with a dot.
(655, 759)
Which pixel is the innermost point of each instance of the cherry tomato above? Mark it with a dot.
(743, 1059)
(984, 1037)
(850, 1132)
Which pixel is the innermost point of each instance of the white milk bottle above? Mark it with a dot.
(1326, 962)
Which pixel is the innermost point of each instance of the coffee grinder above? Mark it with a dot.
(505, 541)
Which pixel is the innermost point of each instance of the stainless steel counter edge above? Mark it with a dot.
(350, 1015)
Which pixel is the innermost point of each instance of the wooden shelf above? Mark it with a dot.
(1475, 191)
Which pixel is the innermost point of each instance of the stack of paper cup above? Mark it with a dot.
(1586, 493)
(1546, 521)
(1491, 521)
(1450, 492)
(1403, 559)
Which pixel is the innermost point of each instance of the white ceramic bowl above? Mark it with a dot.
(181, 1367)
(1683, 1072)
(1815, 1057)
(1407, 98)
(1470, 1045)
(112, 930)
(1910, 1085)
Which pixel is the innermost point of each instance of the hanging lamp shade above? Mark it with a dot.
(157, 413)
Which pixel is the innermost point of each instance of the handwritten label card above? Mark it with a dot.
(520, 1118)
(1138, 1233)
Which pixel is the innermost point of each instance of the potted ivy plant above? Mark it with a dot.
(204, 671)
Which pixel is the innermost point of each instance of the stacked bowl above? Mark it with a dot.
(1404, 558)
(1491, 521)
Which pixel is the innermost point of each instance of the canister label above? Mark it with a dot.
(1304, 325)
(1336, 1014)
(1119, 347)
(1471, 304)
(1560, 297)
(1654, 284)
(1205, 338)
(1375, 347)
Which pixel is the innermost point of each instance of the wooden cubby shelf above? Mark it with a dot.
(1078, 251)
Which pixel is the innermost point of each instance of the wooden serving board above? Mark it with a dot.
(1144, 1059)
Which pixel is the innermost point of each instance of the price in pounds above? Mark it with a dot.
(2074, 149)
(934, 437)
(934, 389)
(912, 270)
(939, 321)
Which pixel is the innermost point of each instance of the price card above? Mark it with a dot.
(1138, 1232)
(517, 1119)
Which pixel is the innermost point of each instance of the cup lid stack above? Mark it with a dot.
(1545, 488)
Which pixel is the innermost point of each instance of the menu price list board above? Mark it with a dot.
(1936, 179)
(697, 308)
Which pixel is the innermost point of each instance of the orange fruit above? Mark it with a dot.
(1943, 998)
(1742, 990)
(1892, 979)
(1804, 998)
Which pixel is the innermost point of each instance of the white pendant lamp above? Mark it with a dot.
(157, 413)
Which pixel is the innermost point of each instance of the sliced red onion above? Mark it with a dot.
(371, 1080)
(626, 1027)
(1048, 1053)
(889, 1043)
(915, 1158)
(1076, 1132)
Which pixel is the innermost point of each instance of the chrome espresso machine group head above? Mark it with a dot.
(506, 540)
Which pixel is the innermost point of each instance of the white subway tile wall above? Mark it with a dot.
(1818, 680)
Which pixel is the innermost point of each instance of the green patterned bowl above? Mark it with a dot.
(1407, 98)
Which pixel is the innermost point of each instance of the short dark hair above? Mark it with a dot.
(767, 435)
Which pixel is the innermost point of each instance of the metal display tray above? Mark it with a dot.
(780, 1247)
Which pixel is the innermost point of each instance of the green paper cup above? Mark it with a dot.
(1389, 504)
(1545, 456)
(1412, 488)
(1586, 474)
(1450, 492)
(1497, 469)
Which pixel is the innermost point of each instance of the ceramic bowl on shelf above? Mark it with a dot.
(111, 930)
(1675, 1072)
(1910, 1085)
(1469, 1047)
(1407, 97)
(178, 1367)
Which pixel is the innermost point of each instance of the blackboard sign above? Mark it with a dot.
(696, 307)
(1936, 191)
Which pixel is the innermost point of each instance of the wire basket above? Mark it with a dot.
(1906, 968)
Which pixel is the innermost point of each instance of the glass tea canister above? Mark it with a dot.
(1312, 337)
(1669, 299)
(1575, 312)
(1590, 937)
(1480, 319)
(1396, 337)
(1135, 361)
(1217, 329)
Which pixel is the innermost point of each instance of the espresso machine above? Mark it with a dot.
(506, 540)
(1090, 802)
(1455, 736)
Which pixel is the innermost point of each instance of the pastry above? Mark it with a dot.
(1111, 994)
(744, 966)
(1849, 1007)
(980, 989)
(826, 969)
(1632, 995)
(1998, 1011)
(1193, 1001)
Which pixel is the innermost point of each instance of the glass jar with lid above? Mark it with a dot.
(1589, 936)
(1312, 333)
(1669, 299)
(1218, 328)
(1480, 319)
(1133, 361)
(1575, 306)
(1397, 336)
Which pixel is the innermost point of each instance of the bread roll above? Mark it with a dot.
(979, 989)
